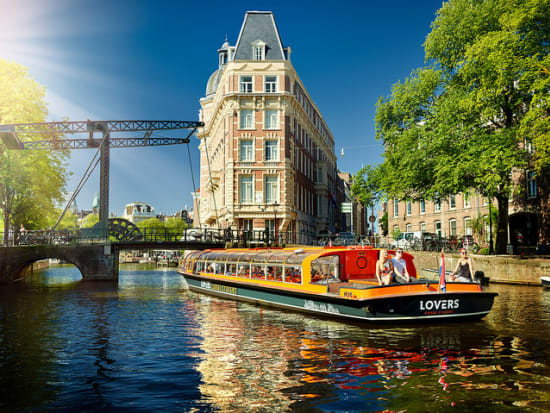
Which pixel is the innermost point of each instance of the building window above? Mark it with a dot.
(246, 150)
(271, 150)
(452, 227)
(467, 226)
(467, 200)
(409, 227)
(531, 184)
(423, 226)
(247, 119)
(258, 51)
(438, 228)
(246, 84)
(437, 205)
(422, 206)
(271, 119)
(452, 202)
(409, 207)
(245, 189)
(395, 208)
(271, 189)
(270, 83)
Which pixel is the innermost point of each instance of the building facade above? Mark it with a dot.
(267, 154)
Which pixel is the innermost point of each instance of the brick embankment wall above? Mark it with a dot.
(499, 268)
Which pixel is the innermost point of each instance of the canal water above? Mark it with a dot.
(148, 344)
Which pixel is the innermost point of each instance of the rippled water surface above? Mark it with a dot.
(148, 344)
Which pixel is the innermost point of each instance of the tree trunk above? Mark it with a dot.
(502, 224)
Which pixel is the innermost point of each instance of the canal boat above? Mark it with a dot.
(338, 282)
(545, 281)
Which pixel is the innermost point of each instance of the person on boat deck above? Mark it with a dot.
(384, 268)
(400, 267)
(464, 271)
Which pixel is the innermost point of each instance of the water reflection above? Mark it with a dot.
(256, 357)
(149, 344)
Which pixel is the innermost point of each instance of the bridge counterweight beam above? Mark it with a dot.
(104, 182)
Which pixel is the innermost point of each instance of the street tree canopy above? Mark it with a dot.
(467, 119)
(31, 182)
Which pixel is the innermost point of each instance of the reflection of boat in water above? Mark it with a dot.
(337, 281)
(545, 281)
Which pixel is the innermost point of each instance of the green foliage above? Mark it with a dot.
(151, 224)
(175, 225)
(69, 221)
(31, 182)
(395, 233)
(460, 122)
(89, 220)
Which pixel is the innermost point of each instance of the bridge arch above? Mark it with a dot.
(95, 262)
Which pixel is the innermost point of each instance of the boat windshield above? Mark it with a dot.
(325, 269)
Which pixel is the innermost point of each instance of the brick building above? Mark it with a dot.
(267, 154)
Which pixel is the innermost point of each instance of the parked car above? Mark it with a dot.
(406, 240)
(345, 238)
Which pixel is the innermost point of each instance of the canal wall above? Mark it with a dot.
(499, 268)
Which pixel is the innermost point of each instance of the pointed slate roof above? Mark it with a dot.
(259, 25)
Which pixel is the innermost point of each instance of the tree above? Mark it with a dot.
(89, 220)
(31, 182)
(455, 124)
(151, 225)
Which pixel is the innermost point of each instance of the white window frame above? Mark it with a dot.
(246, 84)
(422, 206)
(271, 150)
(246, 120)
(395, 208)
(409, 208)
(423, 226)
(409, 227)
(467, 226)
(246, 193)
(452, 202)
(437, 205)
(258, 50)
(271, 119)
(467, 200)
(246, 150)
(271, 189)
(452, 231)
(271, 85)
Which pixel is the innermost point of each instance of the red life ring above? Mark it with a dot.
(361, 262)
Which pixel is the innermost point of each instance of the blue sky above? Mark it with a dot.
(150, 60)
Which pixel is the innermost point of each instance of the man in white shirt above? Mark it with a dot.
(400, 267)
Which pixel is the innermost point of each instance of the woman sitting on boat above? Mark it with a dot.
(464, 271)
(384, 268)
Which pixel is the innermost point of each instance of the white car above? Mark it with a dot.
(405, 240)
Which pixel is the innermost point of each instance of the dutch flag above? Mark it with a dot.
(442, 282)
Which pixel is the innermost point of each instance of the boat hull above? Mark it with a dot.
(430, 305)
(545, 281)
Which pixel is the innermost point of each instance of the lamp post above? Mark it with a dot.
(275, 205)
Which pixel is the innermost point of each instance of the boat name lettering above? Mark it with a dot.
(217, 287)
(439, 304)
(327, 308)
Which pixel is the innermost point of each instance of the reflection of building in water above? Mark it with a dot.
(245, 360)
(138, 211)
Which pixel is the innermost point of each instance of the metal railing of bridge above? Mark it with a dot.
(216, 237)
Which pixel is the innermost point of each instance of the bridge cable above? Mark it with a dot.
(194, 186)
(82, 182)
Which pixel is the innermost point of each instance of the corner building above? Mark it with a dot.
(267, 155)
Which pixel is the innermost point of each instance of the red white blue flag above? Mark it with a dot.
(442, 282)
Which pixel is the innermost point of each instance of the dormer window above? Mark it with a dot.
(258, 50)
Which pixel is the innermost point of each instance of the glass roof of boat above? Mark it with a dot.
(262, 256)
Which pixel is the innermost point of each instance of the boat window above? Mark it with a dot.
(298, 258)
(246, 257)
(258, 272)
(293, 274)
(274, 272)
(219, 268)
(244, 270)
(231, 269)
(261, 257)
(325, 269)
